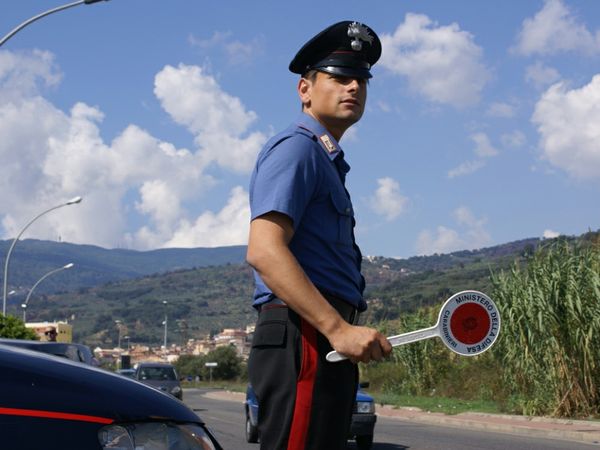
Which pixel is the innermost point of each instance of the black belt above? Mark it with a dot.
(348, 311)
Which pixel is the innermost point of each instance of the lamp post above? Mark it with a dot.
(118, 322)
(165, 324)
(73, 201)
(127, 338)
(24, 305)
(45, 13)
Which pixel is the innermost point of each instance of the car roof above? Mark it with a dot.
(154, 364)
(70, 350)
(36, 381)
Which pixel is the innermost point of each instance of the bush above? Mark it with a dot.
(14, 328)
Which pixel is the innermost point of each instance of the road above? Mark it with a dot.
(226, 419)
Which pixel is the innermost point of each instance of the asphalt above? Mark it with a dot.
(586, 431)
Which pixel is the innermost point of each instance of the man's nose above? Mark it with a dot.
(354, 84)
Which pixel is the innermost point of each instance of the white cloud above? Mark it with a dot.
(61, 155)
(466, 168)
(471, 235)
(384, 106)
(567, 121)
(541, 76)
(218, 120)
(483, 146)
(483, 149)
(444, 240)
(22, 73)
(441, 63)
(229, 226)
(387, 200)
(513, 139)
(237, 52)
(549, 234)
(501, 109)
(556, 29)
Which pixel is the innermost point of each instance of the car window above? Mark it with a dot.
(158, 373)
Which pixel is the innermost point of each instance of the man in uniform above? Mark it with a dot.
(307, 265)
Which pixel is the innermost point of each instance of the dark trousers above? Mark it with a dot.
(305, 402)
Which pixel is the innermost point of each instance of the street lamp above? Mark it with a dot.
(127, 338)
(118, 322)
(165, 324)
(73, 201)
(39, 16)
(24, 305)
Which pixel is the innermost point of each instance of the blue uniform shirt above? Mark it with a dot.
(300, 172)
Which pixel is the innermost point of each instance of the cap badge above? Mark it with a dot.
(330, 146)
(359, 33)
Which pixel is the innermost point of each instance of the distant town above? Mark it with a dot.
(132, 352)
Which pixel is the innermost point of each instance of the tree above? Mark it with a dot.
(14, 328)
(229, 364)
(190, 365)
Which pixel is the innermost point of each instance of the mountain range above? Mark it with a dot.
(203, 290)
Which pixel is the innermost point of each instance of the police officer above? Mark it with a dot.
(307, 265)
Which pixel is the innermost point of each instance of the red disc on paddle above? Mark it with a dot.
(470, 323)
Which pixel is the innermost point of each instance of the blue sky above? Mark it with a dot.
(482, 123)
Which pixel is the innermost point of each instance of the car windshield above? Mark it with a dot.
(158, 373)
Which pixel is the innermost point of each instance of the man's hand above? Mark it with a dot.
(360, 343)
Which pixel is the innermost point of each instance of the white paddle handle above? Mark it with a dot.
(414, 336)
(400, 339)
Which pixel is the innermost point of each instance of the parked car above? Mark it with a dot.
(51, 403)
(361, 429)
(161, 376)
(362, 426)
(130, 373)
(69, 350)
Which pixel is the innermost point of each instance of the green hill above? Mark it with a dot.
(205, 300)
(31, 259)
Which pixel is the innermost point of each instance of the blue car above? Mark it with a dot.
(361, 428)
(51, 402)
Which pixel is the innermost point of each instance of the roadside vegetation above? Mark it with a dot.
(546, 360)
(13, 328)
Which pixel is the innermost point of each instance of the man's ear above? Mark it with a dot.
(304, 91)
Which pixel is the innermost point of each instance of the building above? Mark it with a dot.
(63, 329)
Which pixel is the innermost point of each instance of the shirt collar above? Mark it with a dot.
(324, 138)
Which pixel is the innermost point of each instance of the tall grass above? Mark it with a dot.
(546, 360)
(550, 338)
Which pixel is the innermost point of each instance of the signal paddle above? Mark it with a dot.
(468, 324)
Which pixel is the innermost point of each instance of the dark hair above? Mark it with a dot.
(311, 75)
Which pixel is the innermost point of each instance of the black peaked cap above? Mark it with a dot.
(346, 48)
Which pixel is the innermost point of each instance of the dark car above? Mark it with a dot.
(49, 402)
(161, 376)
(361, 428)
(130, 373)
(69, 350)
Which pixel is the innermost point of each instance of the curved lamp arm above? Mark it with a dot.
(68, 266)
(45, 13)
(70, 202)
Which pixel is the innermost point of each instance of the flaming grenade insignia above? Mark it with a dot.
(359, 33)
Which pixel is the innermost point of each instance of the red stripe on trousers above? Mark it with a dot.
(304, 388)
